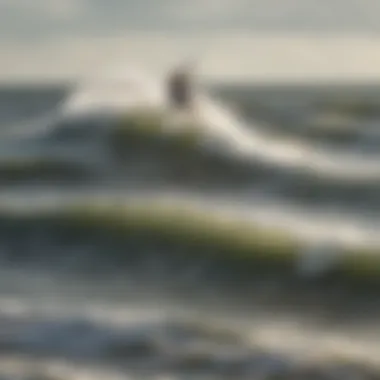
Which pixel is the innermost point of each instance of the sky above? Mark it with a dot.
(232, 39)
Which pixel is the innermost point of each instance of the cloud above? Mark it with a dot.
(51, 18)
(43, 9)
(235, 38)
(228, 56)
(205, 10)
(38, 18)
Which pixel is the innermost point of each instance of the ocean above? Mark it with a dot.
(130, 253)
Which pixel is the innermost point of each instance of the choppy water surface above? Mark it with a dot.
(249, 252)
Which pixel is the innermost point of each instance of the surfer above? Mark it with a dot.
(180, 88)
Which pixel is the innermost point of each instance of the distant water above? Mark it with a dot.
(127, 252)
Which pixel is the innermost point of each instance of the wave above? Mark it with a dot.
(132, 96)
(207, 229)
(120, 131)
(154, 347)
(215, 125)
(141, 144)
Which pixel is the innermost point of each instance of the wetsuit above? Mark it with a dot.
(179, 90)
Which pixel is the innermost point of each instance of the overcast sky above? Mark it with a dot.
(41, 18)
(62, 38)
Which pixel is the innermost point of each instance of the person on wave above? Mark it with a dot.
(180, 88)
